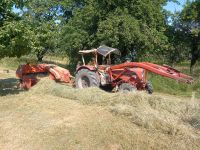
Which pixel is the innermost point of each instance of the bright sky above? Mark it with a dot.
(175, 7)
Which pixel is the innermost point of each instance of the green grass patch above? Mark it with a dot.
(170, 86)
(14, 62)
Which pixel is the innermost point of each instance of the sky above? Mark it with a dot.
(175, 7)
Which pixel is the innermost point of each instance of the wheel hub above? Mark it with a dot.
(85, 82)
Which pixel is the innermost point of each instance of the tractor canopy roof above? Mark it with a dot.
(103, 50)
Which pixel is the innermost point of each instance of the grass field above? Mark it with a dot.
(56, 116)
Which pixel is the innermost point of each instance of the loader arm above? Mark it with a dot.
(164, 70)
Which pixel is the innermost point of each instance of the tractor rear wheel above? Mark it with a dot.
(86, 78)
(127, 87)
(149, 87)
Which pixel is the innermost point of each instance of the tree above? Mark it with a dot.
(15, 35)
(16, 39)
(34, 30)
(128, 25)
(42, 16)
(179, 47)
(6, 13)
(191, 19)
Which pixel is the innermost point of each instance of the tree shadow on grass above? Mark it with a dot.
(9, 86)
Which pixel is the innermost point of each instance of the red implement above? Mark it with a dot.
(29, 74)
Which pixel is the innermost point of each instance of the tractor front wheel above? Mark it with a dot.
(86, 78)
(127, 87)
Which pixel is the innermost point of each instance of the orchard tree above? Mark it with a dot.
(42, 16)
(191, 19)
(6, 13)
(179, 47)
(16, 39)
(15, 36)
(34, 30)
(129, 25)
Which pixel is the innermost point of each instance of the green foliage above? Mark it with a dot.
(6, 13)
(191, 11)
(179, 47)
(33, 31)
(126, 25)
(41, 16)
(184, 34)
(16, 39)
(15, 35)
(191, 19)
(73, 39)
(65, 27)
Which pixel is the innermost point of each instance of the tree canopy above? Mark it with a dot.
(128, 25)
(190, 17)
(67, 26)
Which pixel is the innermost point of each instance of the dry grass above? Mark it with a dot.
(162, 106)
(165, 115)
(55, 116)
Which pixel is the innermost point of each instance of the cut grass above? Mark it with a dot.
(56, 116)
(150, 112)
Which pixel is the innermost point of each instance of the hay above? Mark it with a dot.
(57, 116)
(150, 112)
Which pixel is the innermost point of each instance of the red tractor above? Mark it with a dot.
(128, 76)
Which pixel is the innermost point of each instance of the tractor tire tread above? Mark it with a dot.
(92, 76)
(127, 87)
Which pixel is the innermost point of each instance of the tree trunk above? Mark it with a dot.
(40, 55)
(195, 52)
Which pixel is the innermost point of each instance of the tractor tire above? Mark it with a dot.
(86, 78)
(149, 88)
(127, 87)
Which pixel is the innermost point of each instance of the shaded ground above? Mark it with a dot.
(8, 82)
(8, 86)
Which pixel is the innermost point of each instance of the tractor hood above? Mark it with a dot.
(103, 50)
